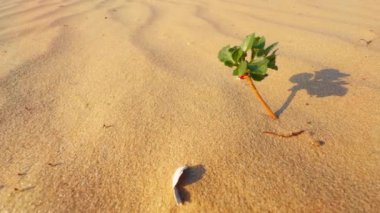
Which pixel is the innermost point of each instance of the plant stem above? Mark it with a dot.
(258, 96)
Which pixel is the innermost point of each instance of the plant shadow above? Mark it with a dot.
(191, 175)
(323, 83)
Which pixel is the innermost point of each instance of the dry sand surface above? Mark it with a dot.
(101, 100)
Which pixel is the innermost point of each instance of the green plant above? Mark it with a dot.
(251, 60)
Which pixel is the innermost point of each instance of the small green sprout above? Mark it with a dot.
(251, 60)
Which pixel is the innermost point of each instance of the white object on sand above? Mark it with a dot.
(177, 175)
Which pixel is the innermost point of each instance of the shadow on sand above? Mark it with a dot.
(323, 83)
(190, 176)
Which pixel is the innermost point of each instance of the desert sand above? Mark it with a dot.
(101, 100)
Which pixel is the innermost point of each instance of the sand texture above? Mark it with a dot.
(101, 100)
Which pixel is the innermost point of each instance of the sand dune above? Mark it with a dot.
(100, 102)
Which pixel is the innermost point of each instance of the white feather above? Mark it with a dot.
(177, 175)
(177, 196)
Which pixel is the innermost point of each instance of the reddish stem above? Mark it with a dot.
(258, 96)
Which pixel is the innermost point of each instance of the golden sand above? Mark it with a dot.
(101, 100)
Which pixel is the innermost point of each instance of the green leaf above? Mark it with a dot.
(266, 51)
(237, 54)
(272, 61)
(225, 55)
(259, 43)
(259, 67)
(270, 48)
(229, 64)
(235, 72)
(248, 42)
(258, 77)
(261, 57)
(272, 64)
(241, 69)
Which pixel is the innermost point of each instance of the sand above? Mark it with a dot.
(100, 102)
